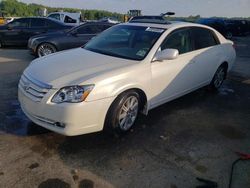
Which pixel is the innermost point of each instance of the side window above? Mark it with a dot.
(52, 24)
(19, 23)
(90, 29)
(180, 40)
(203, 38)
(55, 16)
(37, 22)
(69, 20)
(105, 27)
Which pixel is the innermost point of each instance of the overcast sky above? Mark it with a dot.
(206, 8)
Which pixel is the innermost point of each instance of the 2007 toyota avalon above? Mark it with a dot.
(127, 69)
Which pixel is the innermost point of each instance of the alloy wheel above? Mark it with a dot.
(45, 49)
(128, 113)
(219, 77)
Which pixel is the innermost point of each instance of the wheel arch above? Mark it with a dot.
(142, 94)
(43, 42)
(225, 64)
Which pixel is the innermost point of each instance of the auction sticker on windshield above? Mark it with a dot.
(157, 30)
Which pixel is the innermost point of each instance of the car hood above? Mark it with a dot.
(73, 67)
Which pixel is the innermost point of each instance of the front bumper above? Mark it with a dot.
(78, 118)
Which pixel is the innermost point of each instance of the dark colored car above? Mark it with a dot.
(42, 45)
(18, 32)
(239, 27)
(228, 28)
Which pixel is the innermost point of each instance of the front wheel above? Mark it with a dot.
(45, 49)
(123, 112)
(219, 77)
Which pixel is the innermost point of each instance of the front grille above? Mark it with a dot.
(33, 88)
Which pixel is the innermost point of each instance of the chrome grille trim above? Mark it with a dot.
(37, 82)
(32, 88)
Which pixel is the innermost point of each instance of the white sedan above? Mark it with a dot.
(127, 69)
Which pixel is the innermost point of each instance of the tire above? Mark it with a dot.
(1, 44)
(45, 49)
(123, 113)
(219, 77)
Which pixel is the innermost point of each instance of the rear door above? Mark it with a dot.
(37, 27)
(208, 54)
(16, 32)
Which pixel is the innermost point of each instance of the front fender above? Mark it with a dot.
(112, 86)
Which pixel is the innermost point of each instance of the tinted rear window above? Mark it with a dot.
(203, 38)
(90, 29)
(38, 23)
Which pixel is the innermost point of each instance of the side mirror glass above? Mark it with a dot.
(167, 54)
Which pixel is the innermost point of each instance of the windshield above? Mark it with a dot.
(125, 41)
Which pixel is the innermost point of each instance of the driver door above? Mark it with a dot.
(173, 78)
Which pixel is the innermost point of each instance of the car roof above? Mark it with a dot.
(169, 25)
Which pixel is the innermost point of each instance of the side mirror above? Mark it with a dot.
(167, 54)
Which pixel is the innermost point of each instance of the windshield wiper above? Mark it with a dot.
(110, 54)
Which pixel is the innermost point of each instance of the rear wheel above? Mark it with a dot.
(45, 49)
(123, 112)
(219, 77)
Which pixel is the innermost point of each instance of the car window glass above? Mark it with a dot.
(69, 20)
(37, 23)
(52, 24)
(104, 27)
(19, 23)
(129, 42)
(179, 40)
(203, 38)
(55, 16)
(90, 29)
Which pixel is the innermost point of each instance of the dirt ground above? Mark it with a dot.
(194, 136)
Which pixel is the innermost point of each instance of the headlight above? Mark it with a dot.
(72, 94)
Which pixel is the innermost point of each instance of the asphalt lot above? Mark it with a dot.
(193, 136)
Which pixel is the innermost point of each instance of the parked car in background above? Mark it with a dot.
(109, 20)
(18, 32)
(238, 27)
(226, 27)
(127, 69)
(46, 44)
(67, 18)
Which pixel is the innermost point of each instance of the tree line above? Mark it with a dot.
(14, 8)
